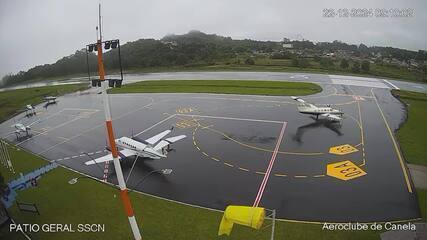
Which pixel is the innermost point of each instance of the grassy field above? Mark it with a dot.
(14, 101)
(90, 201)
(412, 135)
(221, 86)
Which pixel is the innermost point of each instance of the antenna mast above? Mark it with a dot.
(99, 22)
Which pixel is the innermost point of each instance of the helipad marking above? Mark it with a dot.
(358, 98)
(185, 110)
(345, 170)
(342, 149)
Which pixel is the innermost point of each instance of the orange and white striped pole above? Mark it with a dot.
(109, 124)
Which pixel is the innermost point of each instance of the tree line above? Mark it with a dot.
(192, 49)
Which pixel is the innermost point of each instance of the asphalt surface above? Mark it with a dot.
(230, 142)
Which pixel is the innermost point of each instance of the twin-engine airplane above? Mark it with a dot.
(50, 99)
(21, 128)
(30, 110)
(327, 112)
(141, 148)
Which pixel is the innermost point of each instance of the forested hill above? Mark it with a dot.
(196, 49)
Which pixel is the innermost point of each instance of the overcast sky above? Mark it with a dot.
(42, 31)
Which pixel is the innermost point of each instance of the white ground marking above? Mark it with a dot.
(231, 118)
(164, 120)
(391, 84)
(361, 83)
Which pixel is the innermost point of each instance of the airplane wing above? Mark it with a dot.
(303, 102)
(168, 141)
(332, 117)
(122, 154)
(157, 137)
(298, 99)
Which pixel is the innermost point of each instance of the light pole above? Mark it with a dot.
(110, 135)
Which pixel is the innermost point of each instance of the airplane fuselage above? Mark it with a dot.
(140, 148)
(318, 110)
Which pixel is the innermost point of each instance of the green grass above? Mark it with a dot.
(14, 101)
(412, 135)
(90, 201)
(221, 86)
(422, 201)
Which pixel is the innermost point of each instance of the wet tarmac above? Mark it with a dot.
(229, 144)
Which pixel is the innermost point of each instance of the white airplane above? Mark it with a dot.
(50, 99)
(30, 110)
(327, 112)
(21, 128)
(141, 148)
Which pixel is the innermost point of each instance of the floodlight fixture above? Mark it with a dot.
(114, 43)
(107, 45)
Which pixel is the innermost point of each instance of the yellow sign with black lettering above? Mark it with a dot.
(344, 170)
(342, 149)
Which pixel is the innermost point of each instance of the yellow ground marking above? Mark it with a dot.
(185, 110)
(396, 148)
(228, 164)
(280, 175)
(262, 149)
(209, 126)
(185, 124)
(342, 149)
(345, 170)
(362, 135)
(358, 123)
(199, 126)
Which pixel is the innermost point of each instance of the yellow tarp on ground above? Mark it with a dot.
(248, 216)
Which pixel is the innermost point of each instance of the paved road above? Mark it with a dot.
(310, 77)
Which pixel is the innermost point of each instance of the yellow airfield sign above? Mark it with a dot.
(342, 149)
(344, 170)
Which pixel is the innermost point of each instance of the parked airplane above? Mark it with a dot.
(50, 99)
(21, 128)
(327, 112)
(141, 148)
(30, 110)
